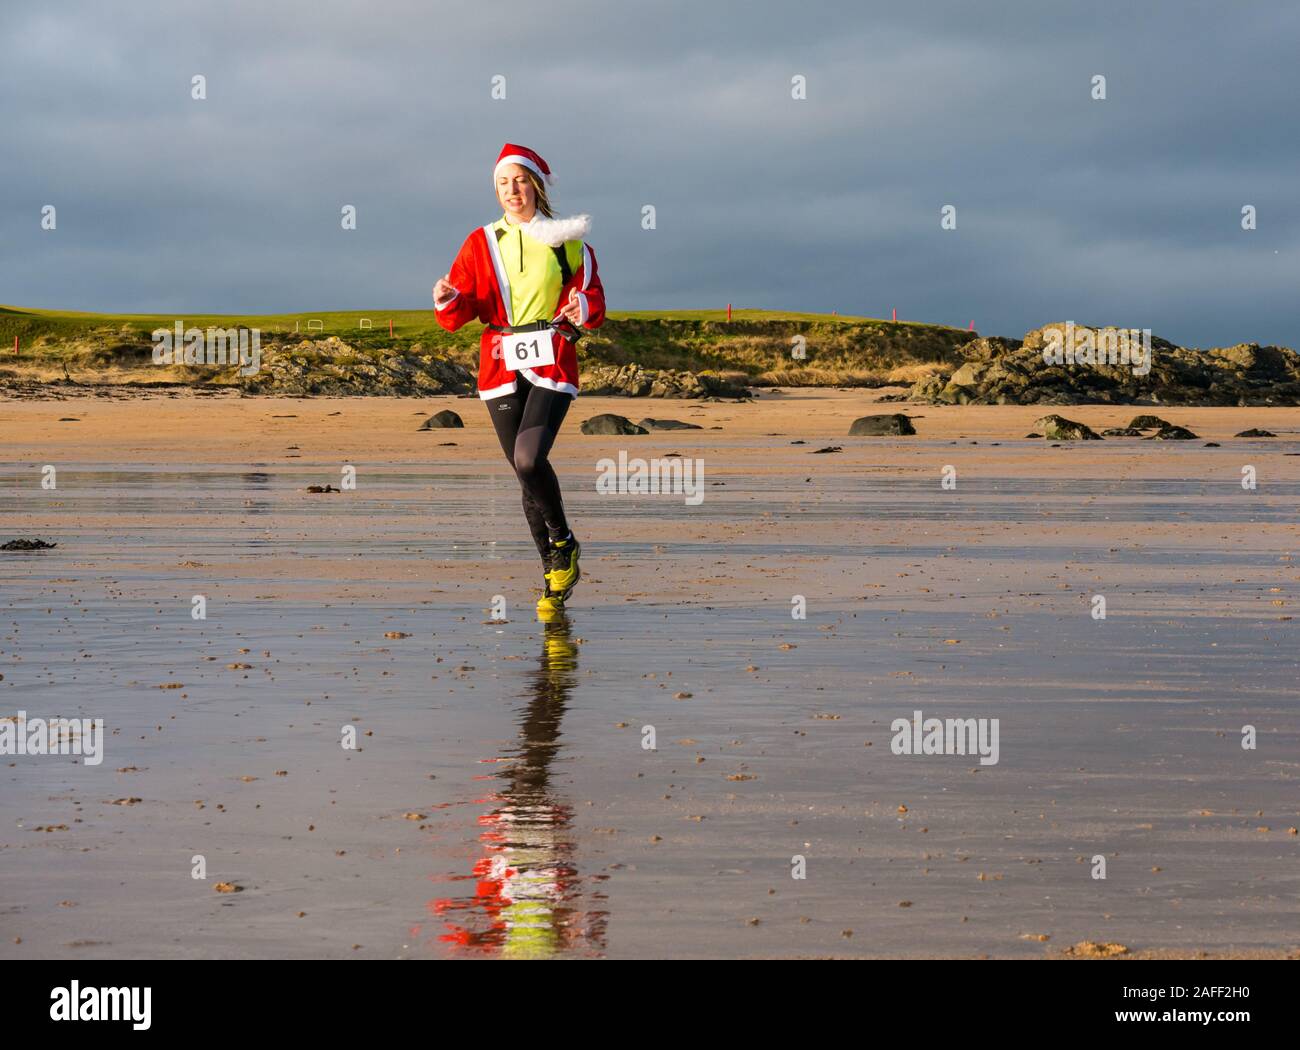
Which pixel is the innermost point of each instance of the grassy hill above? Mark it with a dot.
(756, 344)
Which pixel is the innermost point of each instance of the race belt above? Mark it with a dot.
(563, 327)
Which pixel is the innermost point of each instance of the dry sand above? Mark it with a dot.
(504, 804)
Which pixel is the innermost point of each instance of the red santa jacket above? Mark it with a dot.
(547, 263)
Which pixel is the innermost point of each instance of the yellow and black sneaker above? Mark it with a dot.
(563, 573)
(550, 607)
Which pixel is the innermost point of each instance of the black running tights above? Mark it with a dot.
(526, 423)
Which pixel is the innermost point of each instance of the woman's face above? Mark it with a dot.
(515, 192)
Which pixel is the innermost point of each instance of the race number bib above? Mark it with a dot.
(527, 350)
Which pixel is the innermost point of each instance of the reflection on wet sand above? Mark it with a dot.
(528, 895)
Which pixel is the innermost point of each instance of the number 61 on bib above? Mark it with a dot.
(527, 350)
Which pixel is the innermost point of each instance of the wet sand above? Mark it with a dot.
(500, 802)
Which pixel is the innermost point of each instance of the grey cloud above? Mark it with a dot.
(1125, 210)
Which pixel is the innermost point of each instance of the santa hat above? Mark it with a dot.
(530, 159)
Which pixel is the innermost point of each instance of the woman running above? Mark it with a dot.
(532, 280)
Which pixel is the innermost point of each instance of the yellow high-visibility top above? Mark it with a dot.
(532, 271)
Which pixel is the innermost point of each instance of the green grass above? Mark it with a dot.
(755, 343)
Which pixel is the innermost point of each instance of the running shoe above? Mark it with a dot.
(564, 573)
(550, 607)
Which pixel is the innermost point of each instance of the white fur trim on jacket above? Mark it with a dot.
(555, 232)
(550, 384)
(499, 391)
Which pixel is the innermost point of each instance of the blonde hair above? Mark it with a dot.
(539, 191)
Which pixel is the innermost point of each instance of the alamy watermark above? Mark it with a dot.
(640, 477)
(20, 735)
(75, 1003)
(946, 736)
(1098, 346)
(211, 346)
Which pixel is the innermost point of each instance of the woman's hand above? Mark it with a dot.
(444, 291)
(572, 311)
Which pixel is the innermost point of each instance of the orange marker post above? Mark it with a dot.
(895, 313)
(728, 311)
(390, 328)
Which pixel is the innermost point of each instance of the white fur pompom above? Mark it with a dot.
(555, 232)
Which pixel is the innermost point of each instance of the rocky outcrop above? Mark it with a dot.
(1058, 428)
(996, 371)
(608, 423)
(1171, 432)
(667, 424)
(444, 420)
(879, 426)
(635, 381)
(332, 368)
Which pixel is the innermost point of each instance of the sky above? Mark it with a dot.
(1125, 210)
